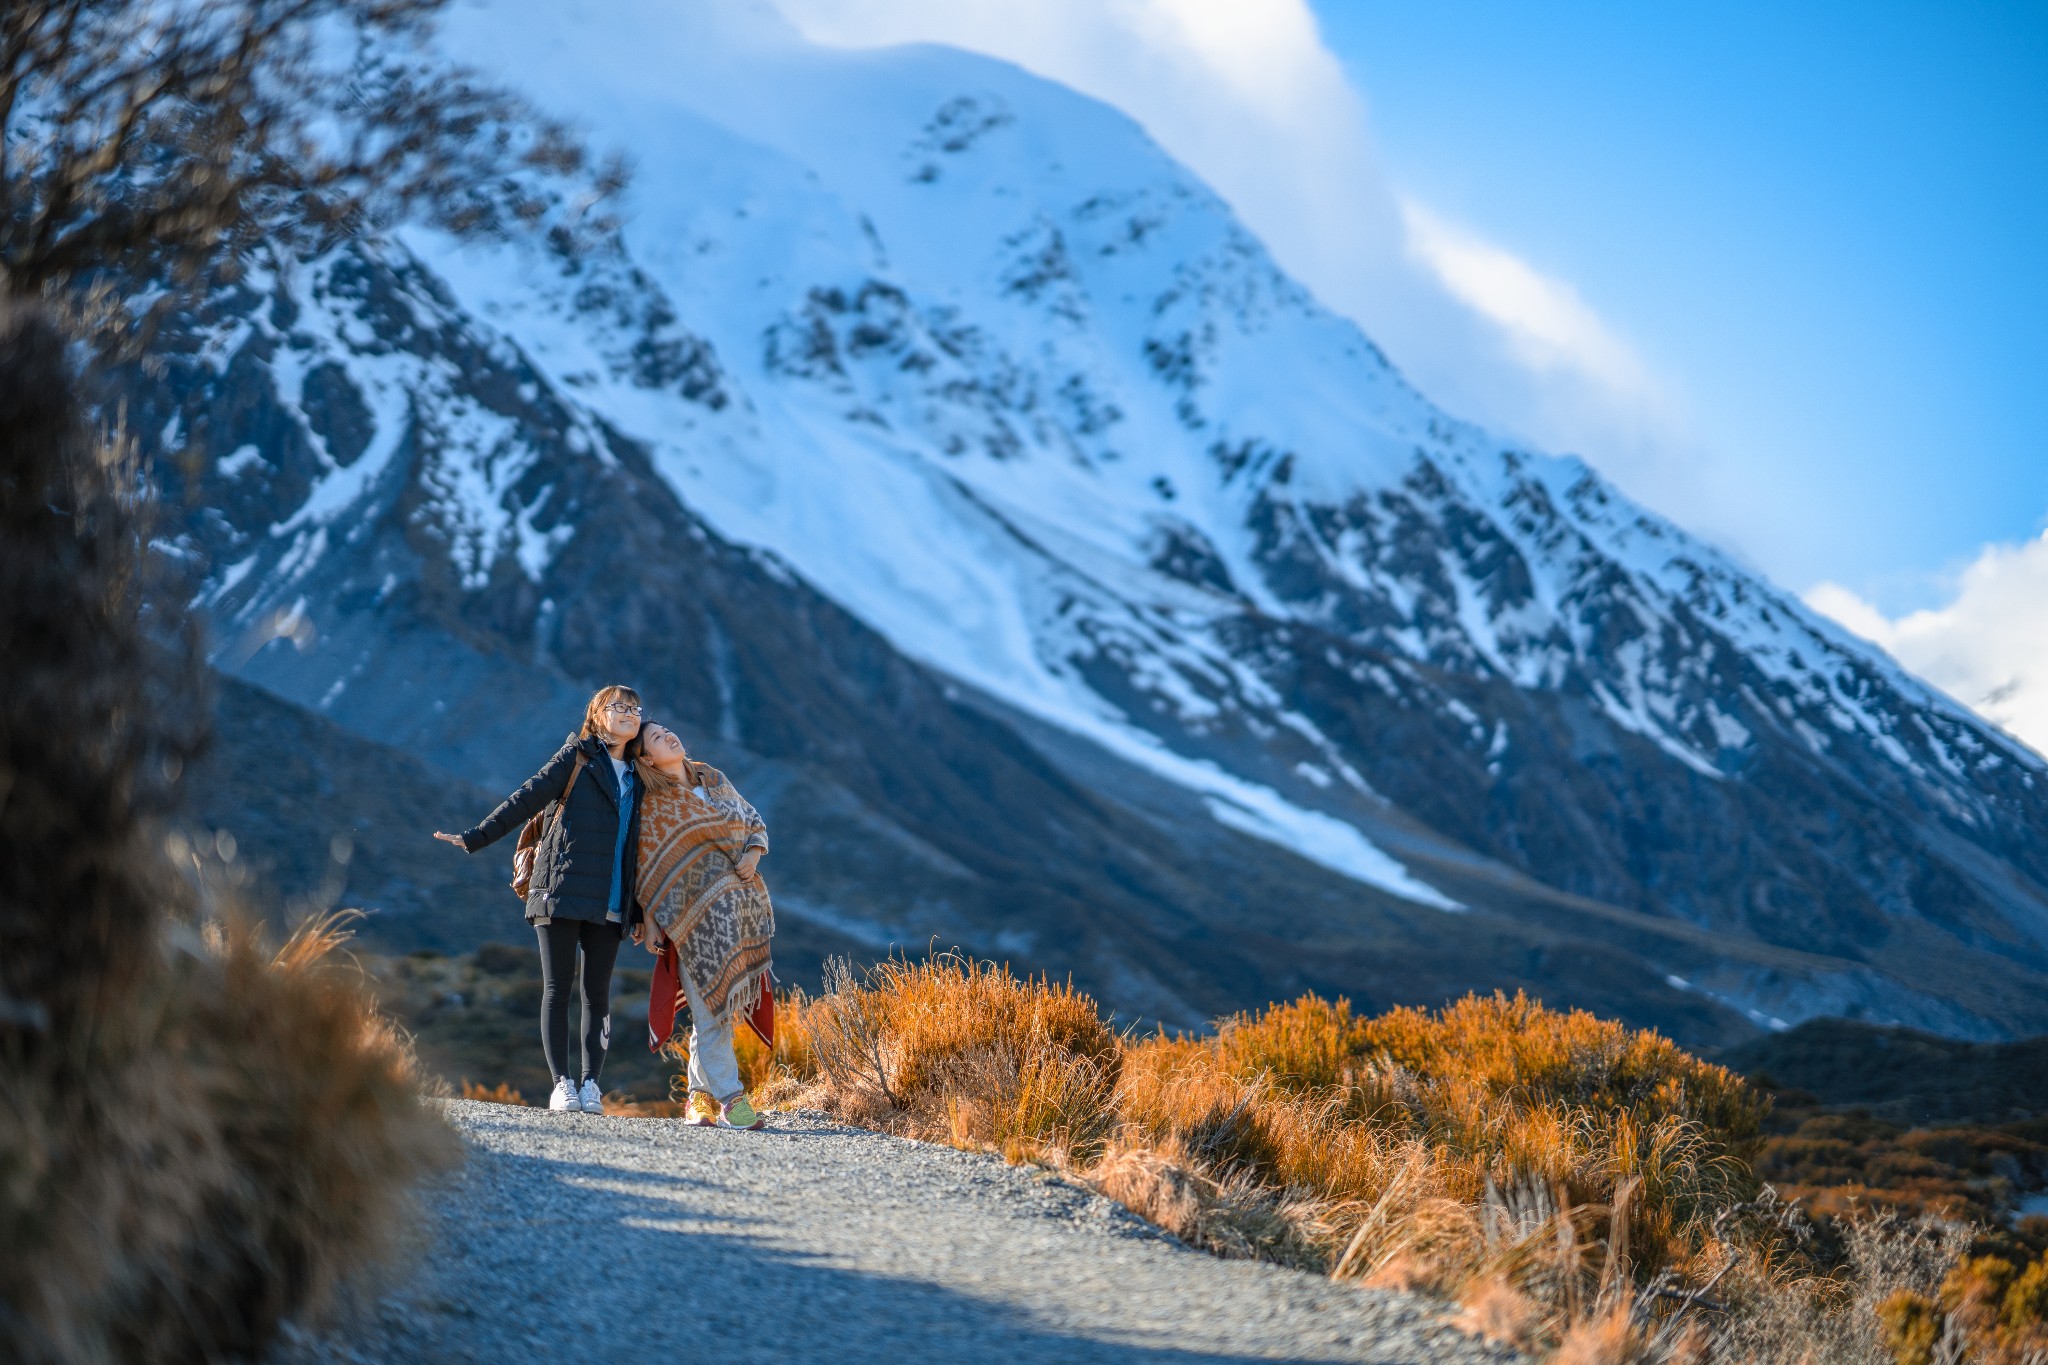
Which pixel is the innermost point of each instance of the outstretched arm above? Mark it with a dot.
(544, 786)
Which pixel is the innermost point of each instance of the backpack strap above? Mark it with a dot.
(536, 828)
(562, 806)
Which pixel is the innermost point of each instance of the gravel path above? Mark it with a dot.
(574, 1236)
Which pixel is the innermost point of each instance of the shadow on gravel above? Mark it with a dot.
(575, 1260)
(772, 1133)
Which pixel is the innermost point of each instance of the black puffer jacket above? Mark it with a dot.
(572, 872)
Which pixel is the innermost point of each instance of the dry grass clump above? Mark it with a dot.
(1337, 1172)
(1456, 1144)
(501, 1093)
(1229, 1213)
(955, 1051)
(1483, 1053)
(1866, 1312)
(247, 1137)
(1987, 1310)
(198, 1135)
(318, 1107)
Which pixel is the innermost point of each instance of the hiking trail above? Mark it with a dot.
(579, 1236)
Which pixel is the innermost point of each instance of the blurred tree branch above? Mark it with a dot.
(146, 145)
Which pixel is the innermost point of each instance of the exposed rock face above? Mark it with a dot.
(1066, 584)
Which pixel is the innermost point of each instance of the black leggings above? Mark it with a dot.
(558, 943)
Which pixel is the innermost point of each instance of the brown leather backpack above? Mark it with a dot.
(528, 847)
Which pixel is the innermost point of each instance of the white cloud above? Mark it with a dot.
(1245, 93)
(1550, 327)
(1987, 648)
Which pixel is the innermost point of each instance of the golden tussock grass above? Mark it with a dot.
(248, 1138)
(319, 1106)
(954, 1051)
(501, 1093)
(1582, 1190)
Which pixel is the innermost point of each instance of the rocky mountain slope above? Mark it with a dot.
(1061, 578)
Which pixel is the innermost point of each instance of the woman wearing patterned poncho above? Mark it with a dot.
(700, 843)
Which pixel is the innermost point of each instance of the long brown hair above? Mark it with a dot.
(593, 715)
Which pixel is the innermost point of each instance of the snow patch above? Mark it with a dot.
(1323, 839)
(233, 464)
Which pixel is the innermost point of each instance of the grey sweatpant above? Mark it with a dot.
(713, 1067)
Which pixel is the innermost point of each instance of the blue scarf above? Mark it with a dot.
(628, 793)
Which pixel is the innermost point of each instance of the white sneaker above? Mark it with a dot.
(593, 1103)
(565, 1095)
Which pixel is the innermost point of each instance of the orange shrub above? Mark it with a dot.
(955, 1051)
(1486, 1052)
(1310, 1046)
(1499, 1091)
(501, 1093)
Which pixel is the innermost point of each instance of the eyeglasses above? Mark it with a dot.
(620, 708)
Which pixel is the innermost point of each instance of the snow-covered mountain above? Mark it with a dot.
(1077, 586)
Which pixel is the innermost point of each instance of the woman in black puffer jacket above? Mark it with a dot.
(581, 895)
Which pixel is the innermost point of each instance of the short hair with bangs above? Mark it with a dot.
(593, 714)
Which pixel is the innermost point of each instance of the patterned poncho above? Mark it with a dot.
(692, 834)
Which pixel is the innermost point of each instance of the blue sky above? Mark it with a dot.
(1825, 227)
